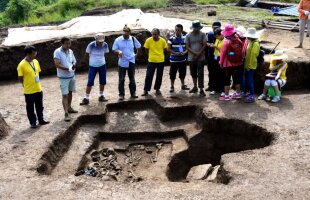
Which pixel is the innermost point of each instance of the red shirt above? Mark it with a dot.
(303, 6)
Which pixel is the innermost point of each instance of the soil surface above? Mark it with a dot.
(279, 171)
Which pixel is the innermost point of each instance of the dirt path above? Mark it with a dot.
(280, 171)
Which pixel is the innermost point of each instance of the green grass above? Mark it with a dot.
(234, 1)
(67, 9)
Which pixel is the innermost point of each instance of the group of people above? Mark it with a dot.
(231, 56)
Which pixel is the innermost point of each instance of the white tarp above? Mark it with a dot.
(88, 25)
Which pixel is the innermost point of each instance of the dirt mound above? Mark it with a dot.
(3, 128)
(11, 56)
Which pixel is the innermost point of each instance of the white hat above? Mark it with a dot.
(100, 37)
(241, 31)
(251, 33)
(278, 55)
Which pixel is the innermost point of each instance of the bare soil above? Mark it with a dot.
(278, 171)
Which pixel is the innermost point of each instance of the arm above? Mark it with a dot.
(223, 52)
(172, 52)
(147, 52)
(189, 49)
(116, 50)
(21, 80)
(280, 71)
(58, 65)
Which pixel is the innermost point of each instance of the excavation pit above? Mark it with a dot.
(148, 141)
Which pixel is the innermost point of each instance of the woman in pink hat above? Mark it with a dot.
(231, 60)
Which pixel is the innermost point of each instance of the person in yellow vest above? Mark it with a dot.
(28, 73)
(277, 77)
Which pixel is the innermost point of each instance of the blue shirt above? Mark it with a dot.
(96, 54)
(66, 59)
(210, 51)
(127, 47)
(177, 45)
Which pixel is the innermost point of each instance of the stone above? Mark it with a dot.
(214, 176)
(4, 129)
(199, 172)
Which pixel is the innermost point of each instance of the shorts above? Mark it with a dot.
(280, 82)
(92, 72)
(175, 67)
(67, 85)
(231, 72)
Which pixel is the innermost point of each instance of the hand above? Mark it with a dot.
(306, 12)
(211, 45)
(71, 69)
(120, 54)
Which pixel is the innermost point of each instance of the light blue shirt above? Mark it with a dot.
(96, 54)
(127, 47)
(66, 59)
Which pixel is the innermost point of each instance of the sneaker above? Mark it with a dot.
(225, 98)
(158, 92)
(275, 99)
(121, 98)
(145, 93)
(236, 95)
(208, 89)
(212, 92)
(84, 102)
(222, 94)
(34, 125)
(184, 87)
(102, 99)
(262, 97)
(67, 117)
(202, 93)
(134, 96)
(71, 110)
(249, 99)
(171, 89)
(43, 122)
(194, 90)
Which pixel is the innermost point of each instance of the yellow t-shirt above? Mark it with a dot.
(156, 49)
(218, 43)
(25, 70)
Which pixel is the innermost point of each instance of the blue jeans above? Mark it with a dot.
(92, 74)
(131, 76)
(151, 67)
(249, 80)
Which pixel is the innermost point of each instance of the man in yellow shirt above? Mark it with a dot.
(155, 47)
(28, 74)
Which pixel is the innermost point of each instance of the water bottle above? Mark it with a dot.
(231, 53)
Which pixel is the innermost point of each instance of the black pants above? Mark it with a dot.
(151, 67)
(34, 101)
(218, 73)
(212, 74)
(131, 76)
(175, 67)
(197, 71)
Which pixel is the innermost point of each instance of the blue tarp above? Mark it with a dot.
(290, 11)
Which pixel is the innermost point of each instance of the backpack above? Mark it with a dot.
(260, 57)
(236, 49)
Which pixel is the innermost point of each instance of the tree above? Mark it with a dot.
(3, 4)
(18, 10)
